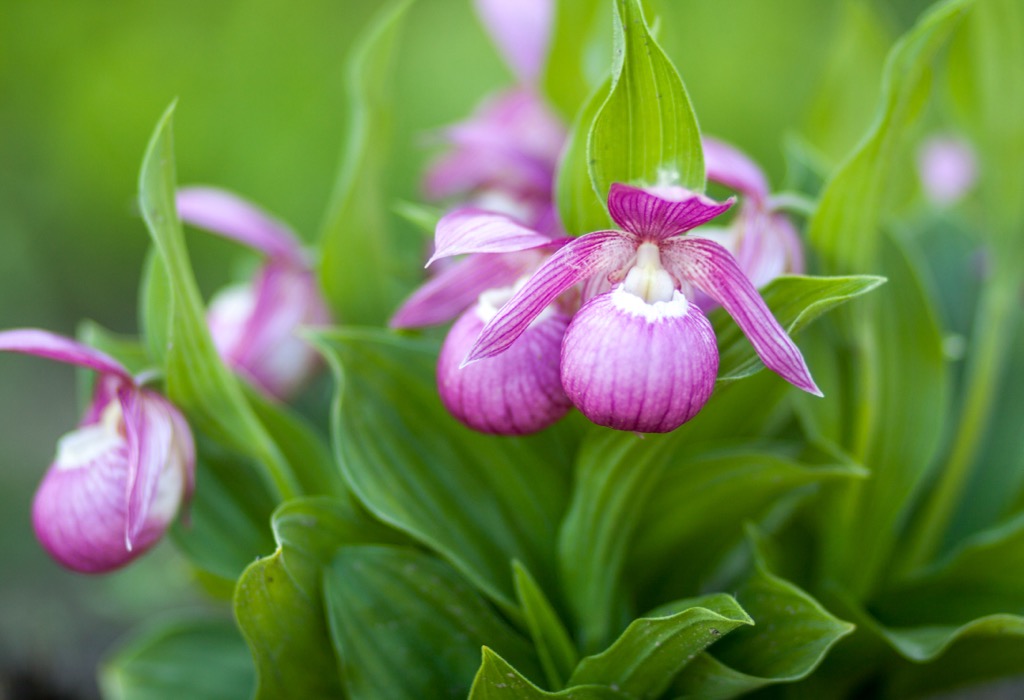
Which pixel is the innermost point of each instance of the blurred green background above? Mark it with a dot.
(261, 110)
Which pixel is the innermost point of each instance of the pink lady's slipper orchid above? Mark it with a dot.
(763, 240)
(120, 477)
(253, 324)
(639, 355)
(948, 168)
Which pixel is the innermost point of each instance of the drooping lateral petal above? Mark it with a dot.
(522, 31)
(592, 254)
(468, 230)
(631, 365)
(710, 267)
(228, 215)
(149, 431)
(729, 166)
(515, 393)
(653, 217)
(456, 288)
(32, 341)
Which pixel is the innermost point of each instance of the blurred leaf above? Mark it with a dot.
(677, 549)
(553, 644)
(986, 77)
(646, 131)
(845, 230)
(406, 625)
(356, 250)
(580, 207)
(422, 216)
(849, 82)
(795, 302)
(497, 680)
(792, 633)
(227, 523)
(196, 378)
(565, 78)
(202, 659)
(970, 659)
(647, 656)
(278, 599)
(479, 500)
(156, 306)
(125, 349)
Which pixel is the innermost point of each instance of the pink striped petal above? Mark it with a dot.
(710, 267)
(653, 217)
(457, 287)
(228, 215)
(468, 230)
(631, 365)
(522, 30)
(32, 341)
(586, 256)
(149, 431)
(729, 166)
(515, 393)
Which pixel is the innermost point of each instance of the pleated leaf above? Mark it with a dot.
(406, 625)
(581, 208)
(497, 680)
(554, 646)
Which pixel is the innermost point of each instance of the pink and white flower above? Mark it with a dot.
(254, 323)
(639, 355)
(118, 479)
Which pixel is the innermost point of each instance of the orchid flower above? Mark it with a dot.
(253, 324)
(763, 240)
(639, 355)
(120, 477)
(948, 168)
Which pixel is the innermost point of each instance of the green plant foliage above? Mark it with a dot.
(565, 78)
(497, 680)
(202, 659)
(278, 598)
(355, 246)
(407, 625)
(196, 378)
(479, 501)
(643, 661)
(646, 131)
(580, 207)
(554, 646)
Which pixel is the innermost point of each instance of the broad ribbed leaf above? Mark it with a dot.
(497, 680)
(565, 80)
(677, 549)
(480, 501)
(196, 378)
(357, 254)
(645, 658)
(792, 633)
(845, 229)
(406, 625)
(795, 302)
(554, 646)
(646, 131)
(580, 207)
(203, 659)
(278, 598)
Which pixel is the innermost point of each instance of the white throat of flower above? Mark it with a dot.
(647, 278)
(82, 446)
(492, 300)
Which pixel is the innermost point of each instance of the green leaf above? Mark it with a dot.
(845, 229)
(196, 378)
(497, 680)
(646, 131)
(202, 659)
(480, 501)
(580, 208)
(126, 350)
(986, 75)
(406, 625)
(357, 264)
(554, 646)
(156, 306)
(972, 658)
(792, 633)
(677, 550)
(278, 600)
(227, 525)
(795, 302)
(565, 78)
(653, 650)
